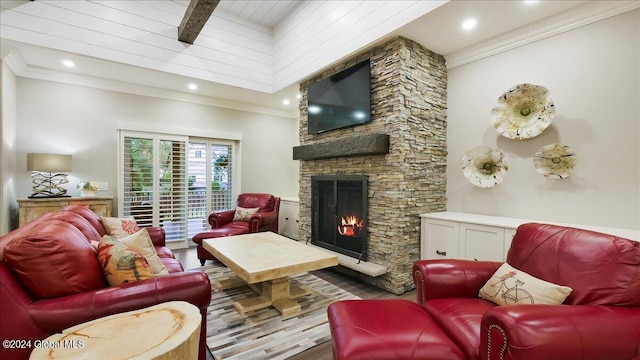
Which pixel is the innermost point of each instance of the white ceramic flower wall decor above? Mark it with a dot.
(523, 112)
(555, 161)
(484, 166)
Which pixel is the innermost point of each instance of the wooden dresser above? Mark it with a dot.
(31, 209)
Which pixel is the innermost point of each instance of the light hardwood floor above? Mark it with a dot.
(189, 260)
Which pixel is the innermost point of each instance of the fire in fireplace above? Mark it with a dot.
(350, 226)
(339, 212)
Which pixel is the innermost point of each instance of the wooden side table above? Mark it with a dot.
(168, 331)
(31, 209)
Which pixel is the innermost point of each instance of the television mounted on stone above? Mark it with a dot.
(341, 100)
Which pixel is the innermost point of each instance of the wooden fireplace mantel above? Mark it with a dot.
(361, 145)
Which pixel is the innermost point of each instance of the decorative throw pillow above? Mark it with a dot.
(510, 286)
(244, 214)
(141, 242)
(121, 264)
(119, 227)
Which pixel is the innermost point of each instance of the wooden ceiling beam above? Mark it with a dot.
(197, 14)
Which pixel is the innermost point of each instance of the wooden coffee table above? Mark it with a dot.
(265, 261)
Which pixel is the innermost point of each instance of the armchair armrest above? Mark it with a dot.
(533, 332)
(450, 278)
(261, 219)
(54, 315)
(157, 235)
(218, 219)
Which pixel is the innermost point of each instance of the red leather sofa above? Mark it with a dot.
(62, 255)
(222, 224)
(599, 320)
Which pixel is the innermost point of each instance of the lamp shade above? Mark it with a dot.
(48, 162)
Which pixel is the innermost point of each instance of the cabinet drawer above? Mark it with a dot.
(31, 209)
(440, 239)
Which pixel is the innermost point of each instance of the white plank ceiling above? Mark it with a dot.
(257, 51)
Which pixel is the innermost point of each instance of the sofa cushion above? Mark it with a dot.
(510, 286)
(141, 243)
(460, 319)
(263, 201)
(121, 264)
(244, 214)
(172, 265)
(601, 269)
(120, 227)
(79, 222)
(54, 259)
(86, 213)
(387, 329)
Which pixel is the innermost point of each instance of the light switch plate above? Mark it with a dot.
(104, 186)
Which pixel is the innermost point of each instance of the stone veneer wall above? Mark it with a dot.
(408, 98)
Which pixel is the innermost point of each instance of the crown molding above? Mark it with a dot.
(137, 89)
(12, 58)
(572, 19)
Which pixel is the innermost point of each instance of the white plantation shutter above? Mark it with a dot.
(154, 181)
(210, 181)
(222, 177)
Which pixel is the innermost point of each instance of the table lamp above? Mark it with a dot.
(47, 174)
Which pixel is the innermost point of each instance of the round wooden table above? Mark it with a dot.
(169, 330)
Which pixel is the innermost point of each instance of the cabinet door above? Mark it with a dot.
(288, 219)
(508, 237)
(294, 215)
(283, 216)
(480, 242)
(439, 239)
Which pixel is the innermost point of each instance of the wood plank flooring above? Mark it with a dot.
(189, 260)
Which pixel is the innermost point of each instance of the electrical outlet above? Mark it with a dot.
(103, 186)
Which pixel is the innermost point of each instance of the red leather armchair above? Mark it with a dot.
(599, 320)
(222, 224)
(62, 253)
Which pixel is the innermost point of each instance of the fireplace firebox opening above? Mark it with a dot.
(339, 213)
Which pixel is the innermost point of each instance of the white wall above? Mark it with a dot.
(8, 149)
(82, 121)
(593, 75)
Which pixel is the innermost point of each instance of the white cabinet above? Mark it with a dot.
(508, 237)
(443, 239)
(289, 218)
(481, 237)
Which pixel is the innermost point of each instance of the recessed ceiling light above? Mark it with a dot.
(286, 101)
(530, 2)
(298, 96)
(469, 24)
(193, 86)
(68, 63)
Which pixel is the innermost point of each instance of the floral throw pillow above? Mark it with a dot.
(120, 227)
(141, 242)
(510, 286)
(121, 264)
(244, 214)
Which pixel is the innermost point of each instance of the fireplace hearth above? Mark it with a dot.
(339, 213)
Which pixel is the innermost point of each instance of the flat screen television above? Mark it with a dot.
(341, 100)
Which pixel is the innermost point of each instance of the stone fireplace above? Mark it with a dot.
(401, 152)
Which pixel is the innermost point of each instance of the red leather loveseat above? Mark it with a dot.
(61, 259)
(599, 320)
